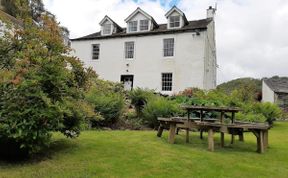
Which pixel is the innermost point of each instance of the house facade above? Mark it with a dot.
(275, 90)
(165, 57)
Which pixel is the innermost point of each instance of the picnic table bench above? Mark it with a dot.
(260, 130)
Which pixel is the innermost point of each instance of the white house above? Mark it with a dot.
(165, 57)
(275, 90)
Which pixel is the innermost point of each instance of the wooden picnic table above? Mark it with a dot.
(260, 130)
(222, 111)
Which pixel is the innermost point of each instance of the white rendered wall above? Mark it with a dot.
(187, 65)
(267, 93)
(210, 58)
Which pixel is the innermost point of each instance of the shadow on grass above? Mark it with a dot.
(60, 146)
(195, 142)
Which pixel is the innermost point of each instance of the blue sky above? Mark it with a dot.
(250, 34)
(163, 3)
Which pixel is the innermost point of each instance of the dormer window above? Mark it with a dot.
(144, 25)
(140, 21)
(107, 29)
(133, 26)
(174, 21)
(108, 26)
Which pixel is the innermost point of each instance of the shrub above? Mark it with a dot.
(139, 98)
(270, 111)
(159, 107)
(108, 103)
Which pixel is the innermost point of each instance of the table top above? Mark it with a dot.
(210, 108)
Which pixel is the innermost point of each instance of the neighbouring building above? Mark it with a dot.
(165, 57)
(275, 90)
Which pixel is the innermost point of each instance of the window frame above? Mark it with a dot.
(174, 21)
(94, 53)
(105, 28)
(135, 23)
(127, 50)
(141, 22)
(167, 47)
(167, 81)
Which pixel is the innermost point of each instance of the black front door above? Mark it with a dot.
(127, 81)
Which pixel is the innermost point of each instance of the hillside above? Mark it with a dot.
(229, 86)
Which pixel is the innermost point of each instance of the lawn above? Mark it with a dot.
(142, 154)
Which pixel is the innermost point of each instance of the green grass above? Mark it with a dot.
(142, 154)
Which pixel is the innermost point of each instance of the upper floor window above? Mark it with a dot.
(133, 26)
(129, 50)
(167, 81)
(144, 25)
(95, 51)
(168, 47)
(107, 29)
(174, 21)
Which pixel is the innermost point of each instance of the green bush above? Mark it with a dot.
(159, 107)
(108, 103)
(139, 98)
(270, 111)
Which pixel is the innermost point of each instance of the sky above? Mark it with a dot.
(251, 35)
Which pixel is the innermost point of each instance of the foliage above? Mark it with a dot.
(159, 107)
(34, 8)
(107, 99)
(252, 110)
(42, 88)
(139, 98)
(249, 88)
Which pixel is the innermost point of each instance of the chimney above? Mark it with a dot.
(211, 12)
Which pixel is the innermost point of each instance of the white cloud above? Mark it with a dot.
(251, 34)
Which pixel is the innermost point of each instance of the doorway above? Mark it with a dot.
(127, 81)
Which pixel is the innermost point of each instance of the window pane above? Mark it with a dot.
(144, 25)
(129, 50)
(107, 29)
(167, 81)
(174, 21)
(168, 47)
(95, 51)
(133, 26)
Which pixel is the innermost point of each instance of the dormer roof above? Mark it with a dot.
(173, 9)
(119, 29)
(139, 10)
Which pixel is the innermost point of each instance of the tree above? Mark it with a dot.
(42, 87)
(20, 8)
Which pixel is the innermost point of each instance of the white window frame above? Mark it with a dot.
(133, 26)
(167, 47)
(173, 21)
(94, 53)
(167, 81)
(129, 50)
(105, 28)
(143, 24)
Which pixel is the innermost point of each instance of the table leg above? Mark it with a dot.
(210, 139)
(241, 137)
(201, 134)
(232, 139)
(187, 135)
(265, 135)
(260, 142)
(222, 139)
(172, 133)
(160, 131)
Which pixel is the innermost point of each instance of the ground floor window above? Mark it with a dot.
(167, 81)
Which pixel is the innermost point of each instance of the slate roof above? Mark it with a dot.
(196, 25)
(278, 84)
